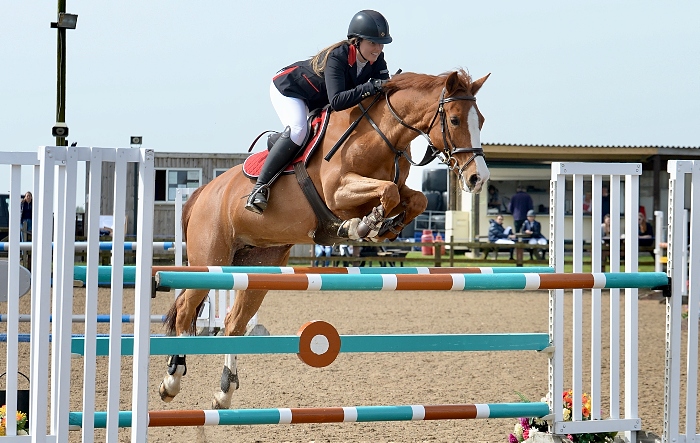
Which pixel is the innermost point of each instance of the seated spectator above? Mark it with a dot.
(500, 235)
(646, 230)
(531, 231)
(587, 204)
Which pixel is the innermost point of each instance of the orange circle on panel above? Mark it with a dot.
(319, 343)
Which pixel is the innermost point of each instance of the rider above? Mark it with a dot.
(341, 75)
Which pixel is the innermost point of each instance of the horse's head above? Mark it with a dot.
(460, 129)
(453, 130)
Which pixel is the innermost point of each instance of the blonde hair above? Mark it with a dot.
(318, 61)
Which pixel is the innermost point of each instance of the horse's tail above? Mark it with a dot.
(171, 317)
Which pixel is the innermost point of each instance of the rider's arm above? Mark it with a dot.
(338, 97)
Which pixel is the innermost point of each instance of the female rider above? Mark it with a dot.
(341, 75)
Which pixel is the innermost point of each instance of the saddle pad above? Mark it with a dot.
(253, 164)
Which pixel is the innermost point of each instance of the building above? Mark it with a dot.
(467, 216)
(530, 166)
(173, 170)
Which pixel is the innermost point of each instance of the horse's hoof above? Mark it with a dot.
(164, 394)
(221, 401)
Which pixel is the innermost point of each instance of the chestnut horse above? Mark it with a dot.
(363, 184)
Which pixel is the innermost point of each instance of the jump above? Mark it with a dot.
(359, 183)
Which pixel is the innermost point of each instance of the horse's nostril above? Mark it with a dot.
(473, 179)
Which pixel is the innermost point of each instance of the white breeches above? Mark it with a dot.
(537, 241)
(292, 112)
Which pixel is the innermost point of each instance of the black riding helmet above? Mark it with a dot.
(370, 25)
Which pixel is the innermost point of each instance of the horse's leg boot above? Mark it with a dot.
(170, 386)
(279, 157)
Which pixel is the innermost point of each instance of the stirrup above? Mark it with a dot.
(257, 200)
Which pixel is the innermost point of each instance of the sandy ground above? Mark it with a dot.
(377, 379)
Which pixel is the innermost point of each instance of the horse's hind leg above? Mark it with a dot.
(245, 306)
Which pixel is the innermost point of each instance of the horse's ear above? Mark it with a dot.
(452, 84)
(476, 85)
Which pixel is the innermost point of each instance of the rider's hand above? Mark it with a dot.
(377, 84)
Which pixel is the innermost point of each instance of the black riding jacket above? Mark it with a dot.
(340, 85)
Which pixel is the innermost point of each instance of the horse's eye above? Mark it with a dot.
(454, 121)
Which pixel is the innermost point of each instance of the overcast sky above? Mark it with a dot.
(194, 76)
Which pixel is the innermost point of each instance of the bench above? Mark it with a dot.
(483, 244)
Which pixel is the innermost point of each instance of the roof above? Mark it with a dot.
(547, 153)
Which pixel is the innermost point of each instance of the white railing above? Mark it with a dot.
(55, 222)
(678, 245)
(16, 160)
(595, 173)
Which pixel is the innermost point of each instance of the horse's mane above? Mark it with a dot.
(412, 80)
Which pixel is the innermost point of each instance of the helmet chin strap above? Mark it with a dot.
(360, 52)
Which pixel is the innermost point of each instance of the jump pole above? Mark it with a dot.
(389, 282)
(105, 272)
(274, 416)
(356, 270)
(289, 344)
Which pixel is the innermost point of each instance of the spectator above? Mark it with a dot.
(532, 231)
(646, 230)
(520, 203)
(605, 202)
(500, 235)
(494, 198)
(320, 251)
(587, 203)
(605, 228)
(346, 251)
(26, 211)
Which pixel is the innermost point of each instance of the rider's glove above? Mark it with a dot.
(377, 84)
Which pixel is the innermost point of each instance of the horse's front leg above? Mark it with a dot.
(355, 191)
(181, 322)
(245, 306)
(413, 203)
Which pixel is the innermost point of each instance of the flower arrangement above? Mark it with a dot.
(526, 427)
(21, 422)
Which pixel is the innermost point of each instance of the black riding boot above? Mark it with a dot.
(279, 157)
(272, 139)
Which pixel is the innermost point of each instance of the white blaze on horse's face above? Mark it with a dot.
(482, 171)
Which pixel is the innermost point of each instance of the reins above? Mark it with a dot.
(449, 148)
(445, 155)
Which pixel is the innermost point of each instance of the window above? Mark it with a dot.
(169, 180)
(4, 210)
(218, 172)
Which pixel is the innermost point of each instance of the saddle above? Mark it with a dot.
(326, 232)
(317, 121)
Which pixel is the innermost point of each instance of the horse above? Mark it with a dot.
(363, 184)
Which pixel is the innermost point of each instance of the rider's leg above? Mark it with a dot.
(279, 157)
(292, 112)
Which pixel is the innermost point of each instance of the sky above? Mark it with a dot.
(194, 76)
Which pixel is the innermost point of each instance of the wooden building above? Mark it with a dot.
(173, 170)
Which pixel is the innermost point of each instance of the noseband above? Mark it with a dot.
(445, 155)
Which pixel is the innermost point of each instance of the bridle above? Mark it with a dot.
(446, 154)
